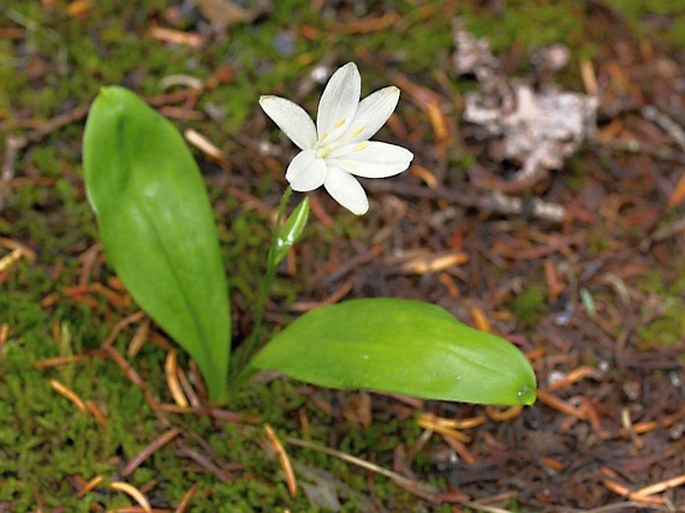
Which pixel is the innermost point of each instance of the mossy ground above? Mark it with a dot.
(47, 446)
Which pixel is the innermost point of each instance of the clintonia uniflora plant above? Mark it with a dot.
(158, 232)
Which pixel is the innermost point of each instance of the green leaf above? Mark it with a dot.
(157, 226)
(401, 346)
(290, 232)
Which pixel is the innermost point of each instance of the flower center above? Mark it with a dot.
(324, 150)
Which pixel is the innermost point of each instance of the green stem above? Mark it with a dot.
(251, 345)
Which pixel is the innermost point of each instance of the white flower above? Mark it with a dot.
(338, 147)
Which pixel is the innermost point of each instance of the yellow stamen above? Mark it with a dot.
(357, 131)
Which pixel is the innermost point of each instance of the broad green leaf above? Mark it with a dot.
(402, 346)
(290, 232)
(157, 226)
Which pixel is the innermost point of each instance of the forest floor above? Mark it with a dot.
(578, 259)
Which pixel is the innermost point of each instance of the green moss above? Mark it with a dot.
(534, 25)
(647, 18)
(666, 310)
(677, 31)
(45, 441)
(52, 440)
(529, 305)
(666, 330)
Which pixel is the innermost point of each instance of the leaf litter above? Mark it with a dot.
(607, 431)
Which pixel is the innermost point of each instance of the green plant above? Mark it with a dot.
(157, 229)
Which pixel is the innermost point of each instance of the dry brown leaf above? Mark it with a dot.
(538, 129)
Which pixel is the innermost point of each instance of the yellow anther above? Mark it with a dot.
(339, 123)
(361, 146)
(357, 131)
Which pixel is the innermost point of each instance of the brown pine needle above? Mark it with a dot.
(628, 506)
(483, 507)
(405, 482)
(97, 413)
(176, 37)
(121, 325)
(468, 423)
(69, 394)
(132, 492)
(188, 388)
(138, 339)
(678, 194)
(628, 426)
(434, 262)
(461, 449)
(18, 251)
(572, 377)
(112, 297)
(503, 415)
(553, 463)
(206, 463)
(641, 428)
(78, 8)
(480, 319)
(619, 489)
(203, 144)
(174, 385)
(556, 403)
(175, 408)
(14, 245)
(59, 360)
(284, 460)
(131, 373)
(444, 430)
(661, 486)
(8, 261)
(438, 121)
(93, 483)
(187, 497)
(151, 448)
(424, 174)
(4, 335)
(587, 73)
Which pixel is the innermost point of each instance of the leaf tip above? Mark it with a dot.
(526, 395)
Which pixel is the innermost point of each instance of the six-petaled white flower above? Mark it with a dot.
(338, 148)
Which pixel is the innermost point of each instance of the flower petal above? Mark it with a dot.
(306, 171)
(346, 190)
(371, 159)
(292, 119)
(338, 103)
(372, 113)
